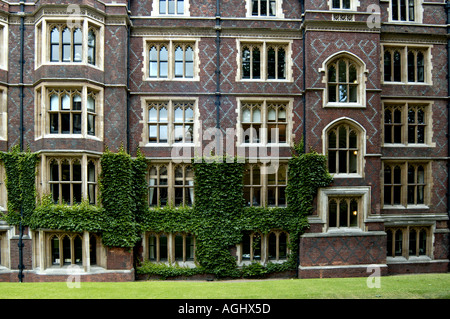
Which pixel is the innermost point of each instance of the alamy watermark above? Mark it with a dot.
(74, 278)
(374, 280)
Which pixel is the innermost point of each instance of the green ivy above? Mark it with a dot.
(76, 218)
(219, 218)
(121, 200)
(20, 180)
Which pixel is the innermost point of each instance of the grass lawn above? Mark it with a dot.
(426, 286)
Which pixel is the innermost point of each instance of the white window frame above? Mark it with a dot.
(362, 192)
(403, 50)
(404, 165)
(4, 35)
(362, 73)
(3, 113)
(354, 5)
(43, 34)
(42, 107)
(418, 13)
(171, 45)
(264, 44)
(279, 13)
(156, 12)
(84, 160)
(362, 140)
(404, 105)
(263, 137)
(186, 262)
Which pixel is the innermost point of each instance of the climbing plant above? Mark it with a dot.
(119, 198)
(20, 168)
(219, 218)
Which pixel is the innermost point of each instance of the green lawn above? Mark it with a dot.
(429, 286)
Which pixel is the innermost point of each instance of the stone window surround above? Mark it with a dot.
(4, 249)
(428, 122)
(403, 50)
(42, 41)
(264, 43)
(264, 135)
(264, 248)
(429, 228)
(427, 165)
(324, 195)
(171, 167)
(418, 13)
(155, 10)
(42, 251)
(170, 122)
(4, 32)
(170, 41)
(43, 174)
(362, 73)
(170, 248)
(3, 113)
(279, 14)
(361, 144)
(354, 5)
(42, 107)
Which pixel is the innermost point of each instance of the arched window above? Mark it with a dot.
(416, 66)
(251, 62)
(398, 244)
(55, 250)
(158, 61)
(184, 61)
(77, 45)
(277, 246)
(251, 246)
(91, 46)
(276, 62)
(158, 186)
(343, 81)
(93, 249)
(158, 122)
(251, 122)
(65, 180)
(66, 44)
(54, 45)
(344, 149)
(184, 185)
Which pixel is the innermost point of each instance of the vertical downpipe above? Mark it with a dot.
(128, 78)
(447, 7)
(21, 88)
(302, 4)
(304, 74)
(218, 93)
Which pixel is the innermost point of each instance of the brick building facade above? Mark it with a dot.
(157, 74)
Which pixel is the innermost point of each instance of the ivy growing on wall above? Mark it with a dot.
(219, 217)
(217, 220)
(20, 168)
(122, 197)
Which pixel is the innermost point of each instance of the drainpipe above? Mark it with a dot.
(128, 78)
(21, 95)
(302, 4)
(218, 93)
(304, 75)
(218, 28)
(447, 7)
